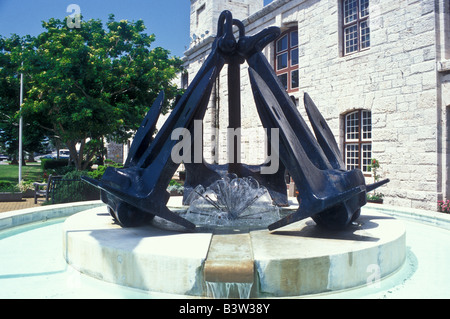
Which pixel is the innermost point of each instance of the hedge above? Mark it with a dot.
(50, 163)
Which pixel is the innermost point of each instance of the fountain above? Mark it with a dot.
(32, 265)
(232, 202)
(234, 234)
(328, 193)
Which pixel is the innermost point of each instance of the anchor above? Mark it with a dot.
(328, 193)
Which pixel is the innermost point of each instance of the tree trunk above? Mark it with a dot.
(77, 156)
(31, 157)
(15, 161)
(74, 155)
(57, 148)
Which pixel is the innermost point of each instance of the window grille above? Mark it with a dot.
(356, 30)
(358, 140)
(287, 59)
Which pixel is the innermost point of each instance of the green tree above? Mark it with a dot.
(90, 82)
(11, 50)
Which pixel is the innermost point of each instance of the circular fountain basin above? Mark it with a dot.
(298, 259)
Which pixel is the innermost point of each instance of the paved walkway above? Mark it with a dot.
(24, 203)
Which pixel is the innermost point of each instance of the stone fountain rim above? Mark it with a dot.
(269, 263)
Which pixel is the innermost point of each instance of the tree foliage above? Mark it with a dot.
(92, 82)
(33, 134)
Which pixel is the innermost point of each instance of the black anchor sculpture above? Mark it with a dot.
(328, 193)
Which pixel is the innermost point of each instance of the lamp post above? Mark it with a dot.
(20, 127)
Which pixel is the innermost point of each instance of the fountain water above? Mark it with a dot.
(232, 202)
(232, 206)
(227, 289)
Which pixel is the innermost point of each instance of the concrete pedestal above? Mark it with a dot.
(295, 260)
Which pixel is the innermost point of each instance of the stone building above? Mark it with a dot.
(379, 72)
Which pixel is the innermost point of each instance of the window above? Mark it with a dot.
(184, 80)
(358, 140)
(286, 59)
(356, 31)
(199, 14)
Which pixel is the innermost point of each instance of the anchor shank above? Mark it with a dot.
(234, 116)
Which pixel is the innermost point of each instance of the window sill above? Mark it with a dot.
(356, 54)
(443, 66)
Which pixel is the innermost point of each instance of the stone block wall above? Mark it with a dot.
(395, 79)
(403, 79)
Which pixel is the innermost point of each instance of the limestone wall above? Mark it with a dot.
(397, 79)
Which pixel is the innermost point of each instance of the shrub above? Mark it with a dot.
(63, 170)
(98, 173)
(50, 163)
(8, 187)
(25, 185)
(72, 189)
(374, 197)
(444, 206)
(174, 186)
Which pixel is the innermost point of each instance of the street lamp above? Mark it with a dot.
(20, 127)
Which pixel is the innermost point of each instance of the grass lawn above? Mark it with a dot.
(30, 172)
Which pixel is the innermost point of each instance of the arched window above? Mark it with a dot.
(286, 59)
(358, 140)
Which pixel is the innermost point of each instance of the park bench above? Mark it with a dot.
(44, 189)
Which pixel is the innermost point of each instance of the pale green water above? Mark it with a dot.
(424, 274)
(32, 266)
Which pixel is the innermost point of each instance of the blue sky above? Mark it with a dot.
(167, 19)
